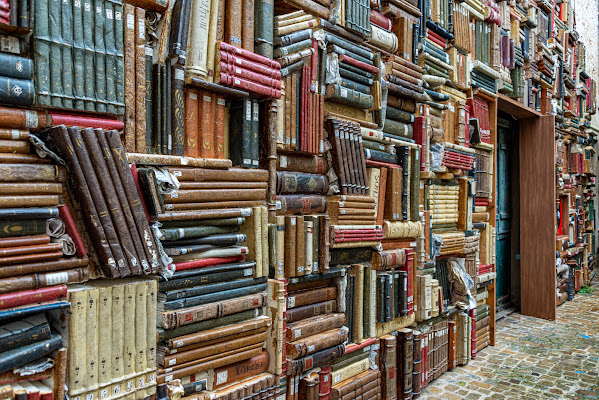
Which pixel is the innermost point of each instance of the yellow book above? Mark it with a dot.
(141, 326)
(118, 325)
(105, 338)
(350, 371)
(76, 360)
(264, 229)
(129, 331)
(92, 328)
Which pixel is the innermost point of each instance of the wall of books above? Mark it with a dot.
(258, 199)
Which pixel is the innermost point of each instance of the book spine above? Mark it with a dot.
(263, 40)
(110, 46)
(140, 81)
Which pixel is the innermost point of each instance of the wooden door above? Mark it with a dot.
(505, 141)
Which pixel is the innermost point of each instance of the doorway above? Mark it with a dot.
(507, 215)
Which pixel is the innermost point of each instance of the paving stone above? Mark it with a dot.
(533, 359)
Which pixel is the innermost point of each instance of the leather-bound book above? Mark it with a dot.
(42, 280)
(393, 206)
(219, 126)
(324, 243)
(417, 368)
(178, 109)
(309, 387)
(388, 367)
(263, 31)
(248, 85)
(311, 296)
(25, 354)
(304, 204)
(405, 363)
(290, 246)
(301, 183)
(323, 357)
(32, 296)
(316, 343)
(174, 319)
(206, 133)
(224, 376)
(247, 74)
(299, 313)
(192, 116)
(234, 31)
(247, 26)
(313, 326)
(300, 247)
(240, 128)
(24, 332)
(177, 46)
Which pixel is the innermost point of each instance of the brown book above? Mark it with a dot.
(417, 368)
(209, 335)
(228, 175)
(393, 194)
(300, 162)
(380, 213)
(36, 281)
(290, 246)
(311, 296)
(30, 201)
(215, 204)
(222, 185)
(234, 22)
(247, 28)
(50, 255)
(30, 188)
(205, 366)
(315, 343)
(203, 214)
(452, 361)
(309, 387)
(206, 133)
(140, 80)
(202, 195)
(236, 372)
(167, 351)
(405, 362)
(192, 127)
(176, 318)
(218, 102)
(482, 322)
(299, 313)
(210, 350)
(36, 240)
(300, 247)
(356, 385)
(294, 116)
(300, 203)
(129, 36)
(313, 326)
(29, 173)
(388, 367)
(318, 359)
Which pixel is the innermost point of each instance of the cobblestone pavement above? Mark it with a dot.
(533, 358)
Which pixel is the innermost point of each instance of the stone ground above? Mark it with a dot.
(533, 358)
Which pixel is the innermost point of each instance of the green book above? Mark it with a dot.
(240, 128)
(67, 53)
(157, 110)
(22, 227)
(18, 92)
(366, 302)
(349, 97)
(78, 57)
(89, 55)
(42, 54)
(168, 138)
(110, 50)
(263, 28)
(415, 186)
(120, 60)
(12, 66)
(292, 48)
(55, 27)
(100, 50)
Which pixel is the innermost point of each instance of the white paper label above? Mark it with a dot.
(172, 362)
(87, 7)
(220, 101)
(192, 96)
(57, 278)
(31, 119)
(283, 161)
(221, 377)
(149, 51)
(297, 333)
(98, 10)
(291, 302)
(311, 348)
(117, 15)
(208, 99)
(130, 21)
(343, 92)
(109, 16)
(142, 28)
(293, 221)
(248, 272)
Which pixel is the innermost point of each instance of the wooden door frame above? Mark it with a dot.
(537, 207)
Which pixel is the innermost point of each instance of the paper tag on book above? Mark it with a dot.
(57, 278)
(221, 377)
(291, 302)
(109, 15)
(31, 120)
(130, 21)
(343, 92)
(142, 28)
(297, 333)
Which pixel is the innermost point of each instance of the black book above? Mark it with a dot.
(207, 289)
(24, 332)
(213, 297)
(23, 355)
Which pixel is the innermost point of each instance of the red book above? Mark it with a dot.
(354, 347)
(32, 296)
(248, 55)
(250, 75)
(71, 229)
(378, 164)
(139, 191)
(84, 121)
(424, 361)
(380, 20)
(409, 268)
(250, 65)
(206, 262)
(433, 37)
(314, 67)
(420, 137)
(250, 86)
(358, 64)
(473, 332)
(324, 388)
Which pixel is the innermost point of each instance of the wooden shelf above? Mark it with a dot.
(14, 30)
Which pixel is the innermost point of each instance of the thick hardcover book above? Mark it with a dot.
(24, 332)
(405, 362)
(313, 326)
(311, 296)
(318, 359)
(192, 117)
(263, 30)
(316, 343)
(301, 183)
(304, 204)
(299, 313)
(388, 367)
(174, 319)
(32, 296)
(205, 134)
(348, 96)
(223, 376)
(25, 354)
(18, 92)
(240, 130)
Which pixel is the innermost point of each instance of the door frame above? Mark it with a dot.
(537, 207)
